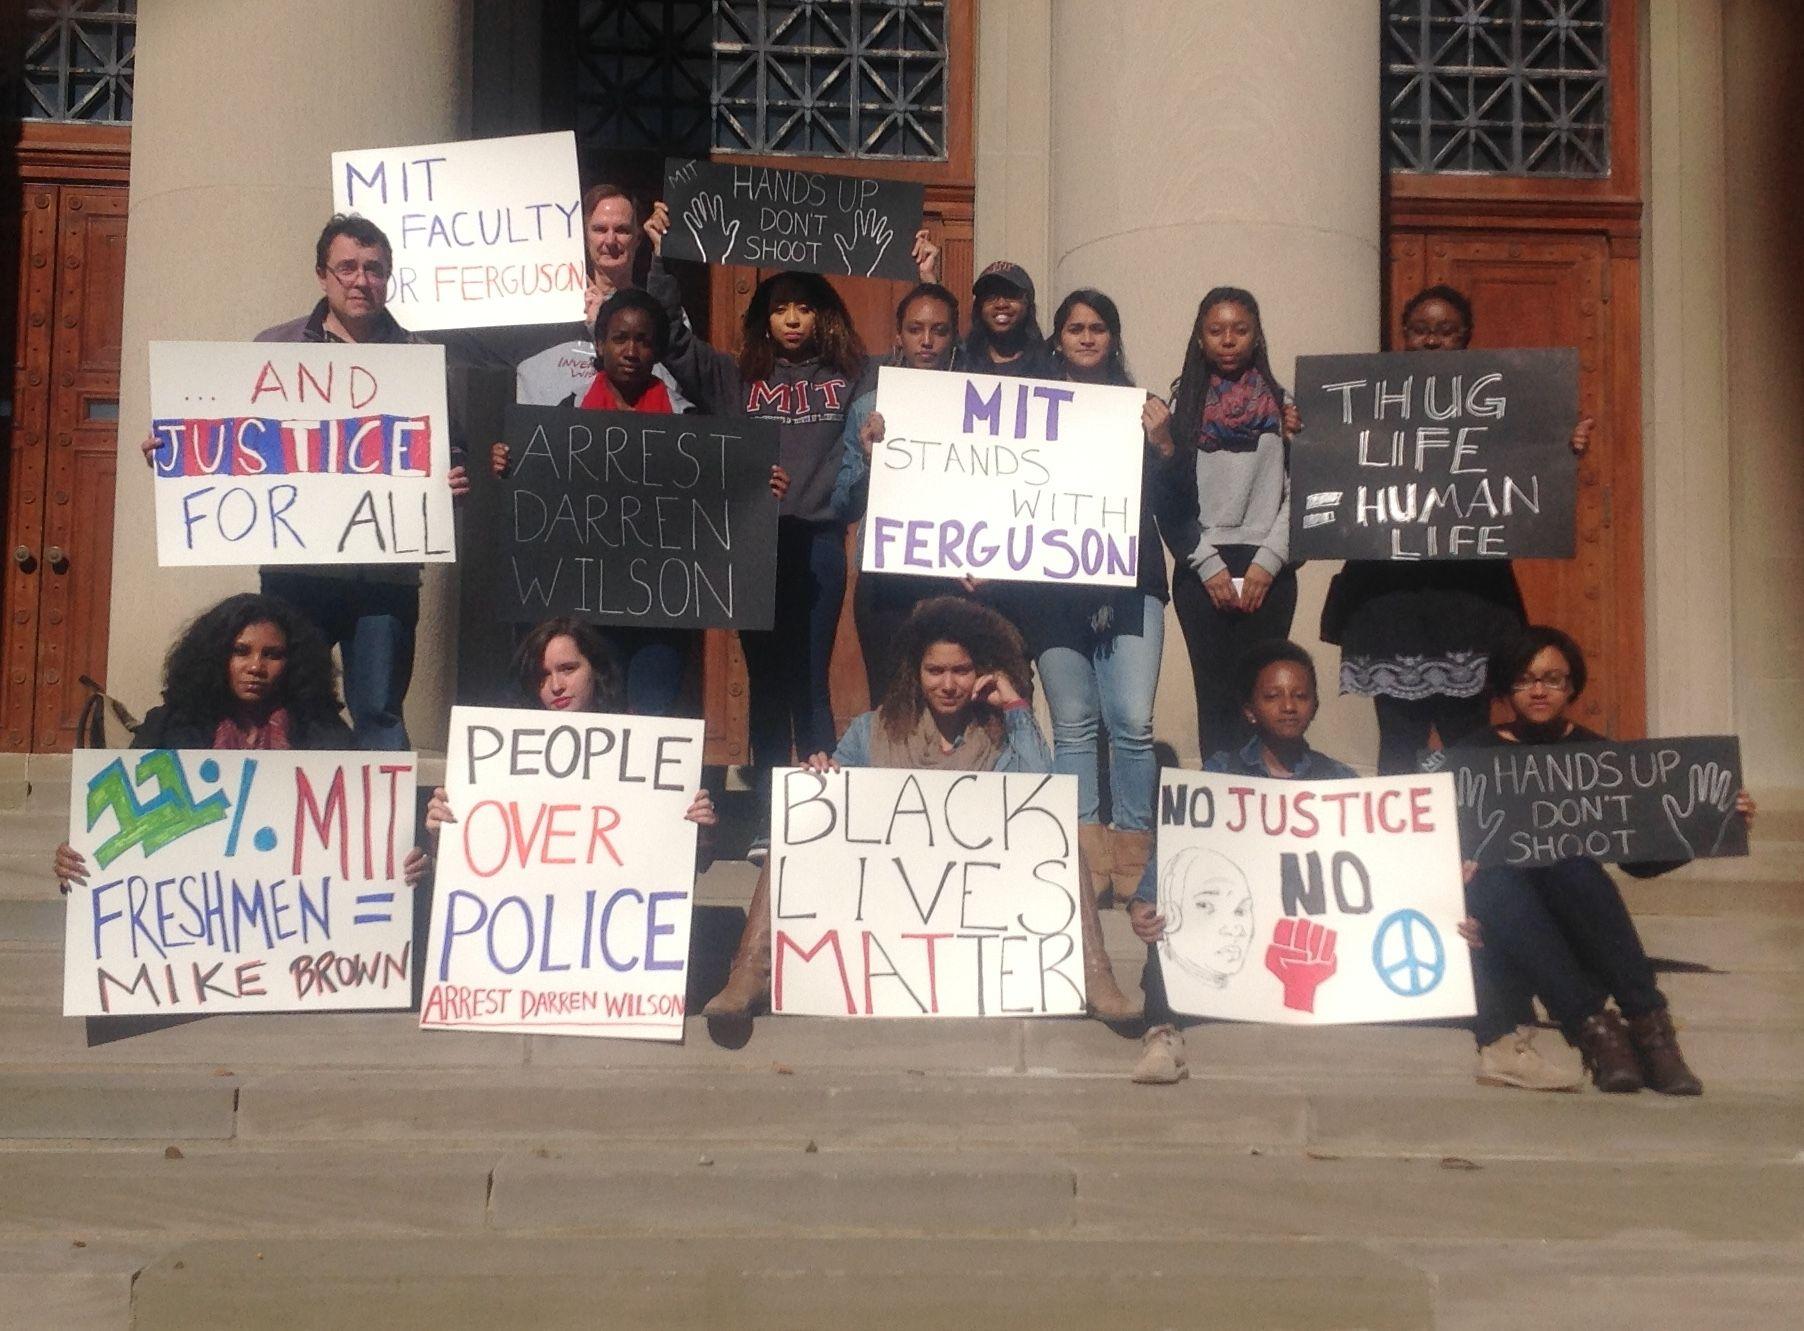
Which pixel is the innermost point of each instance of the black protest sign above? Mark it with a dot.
(628, 518)
(1621, 802)
(776, 217)
(1435, 455)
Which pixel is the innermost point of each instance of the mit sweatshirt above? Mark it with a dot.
(807, 398)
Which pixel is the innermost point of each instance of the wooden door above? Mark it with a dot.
(63, 447)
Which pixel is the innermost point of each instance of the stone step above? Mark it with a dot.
(78, 1103)
(69, 1283)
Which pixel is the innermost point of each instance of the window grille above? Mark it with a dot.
(78, 61)
(1498, 87)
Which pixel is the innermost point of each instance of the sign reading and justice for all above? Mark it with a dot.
(1016, 479)
(630, 518)
(1311, 903)
(1435, 455)
(233, 881)
(487, 232)
(564, 887)
(924, 894)
(300, 453)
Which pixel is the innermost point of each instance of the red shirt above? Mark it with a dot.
(602, 397)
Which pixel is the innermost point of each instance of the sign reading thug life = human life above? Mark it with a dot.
(924, 894)
(233, 881)
(300, 453)
(486, 233)
(1312, 902)
(564, 888)
(1435, 455)
(1013, 479)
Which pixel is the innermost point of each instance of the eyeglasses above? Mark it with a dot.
(1557, 682)
(347, 271)
(1449, 331)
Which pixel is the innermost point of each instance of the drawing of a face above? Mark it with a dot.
(1208, 915)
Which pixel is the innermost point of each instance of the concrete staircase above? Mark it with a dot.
(277, 1171)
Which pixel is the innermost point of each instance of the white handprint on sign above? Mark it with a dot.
(1709, 787)
(1470, 789)
(706, 218)
(863, 249)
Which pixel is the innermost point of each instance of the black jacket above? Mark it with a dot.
(162, 729)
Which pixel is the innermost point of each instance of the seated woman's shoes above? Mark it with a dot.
(744, 990)
(1513, 1060)
(1161, 1058)
(1609, 1057)
(1657, 1046)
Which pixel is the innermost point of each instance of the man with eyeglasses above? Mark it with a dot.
(369, 610)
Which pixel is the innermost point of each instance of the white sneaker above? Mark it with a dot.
(1161, 1057)
(1512, 1060)
(758, 852)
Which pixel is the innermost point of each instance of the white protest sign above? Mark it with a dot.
(1014, 479)
(1312, 902)
(239, 881)
(486, 233)
(564, 888)
(924, 894)
(300, 453)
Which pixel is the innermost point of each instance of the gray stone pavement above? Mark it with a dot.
(300, 1171)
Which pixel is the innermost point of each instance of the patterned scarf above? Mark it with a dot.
(1236, 412)
(272, 734)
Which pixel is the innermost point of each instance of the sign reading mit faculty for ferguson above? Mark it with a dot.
(1014, 479)
(775, 217)
(486, 233)
(236, 881)
(1435, 455)
(630, 518)
(300, 453)
(1311, 902)
(564, 887)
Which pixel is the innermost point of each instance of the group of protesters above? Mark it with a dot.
(952, 663)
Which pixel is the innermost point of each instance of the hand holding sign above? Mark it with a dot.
(1301, 955)
(714, 235)
(1709, 801)
(862, 249)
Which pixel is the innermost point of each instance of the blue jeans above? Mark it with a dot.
(372, 625)
(653, 662)
(1108, 679)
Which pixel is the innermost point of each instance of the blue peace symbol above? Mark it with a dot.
(1418, 962)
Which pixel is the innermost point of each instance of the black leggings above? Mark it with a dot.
(1216, 640)
(1404, 723)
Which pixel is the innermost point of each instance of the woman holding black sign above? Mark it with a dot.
(1564, 928)
(1226, 474)
(1415, 634)
(960, 703)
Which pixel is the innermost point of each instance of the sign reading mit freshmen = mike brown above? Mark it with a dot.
(1435, 455)
(629, 518)
(1020, 480)
(486, 232)
(776, 217)
(1620, 801)
(300, 453)
(1311, 902)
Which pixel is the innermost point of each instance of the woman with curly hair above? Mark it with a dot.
(958, 703)
(251, 673)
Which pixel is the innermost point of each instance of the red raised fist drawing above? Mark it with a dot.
(1302, 957)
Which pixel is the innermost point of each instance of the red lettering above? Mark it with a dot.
(268, 376)
(784, 941)
(249, 977)
(1384, 803)
(598, 833)
(1418, 809)
(553, 830)
(1241, 794)
(306, 808)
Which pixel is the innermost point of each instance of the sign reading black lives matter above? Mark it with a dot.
(629, 518)
(772, 217)
(1435, 455)
(1621, 802)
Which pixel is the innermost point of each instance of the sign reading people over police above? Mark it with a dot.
(628, 518)
(1011, 479)
(564, 888)
(1435, 455)
(1622, 802)
(776, 217)
(1311, 902)
(487, 232)
(924, 894)
(300, 453)
(238, 881)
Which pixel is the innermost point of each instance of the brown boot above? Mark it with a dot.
(1661, 1062)
(1130, 850)
(1093, 845)
(1107, 1002)
(1609, 1057)
(748, 984)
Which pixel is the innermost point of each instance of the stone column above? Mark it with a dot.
(1235, 142)
(238, 108)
